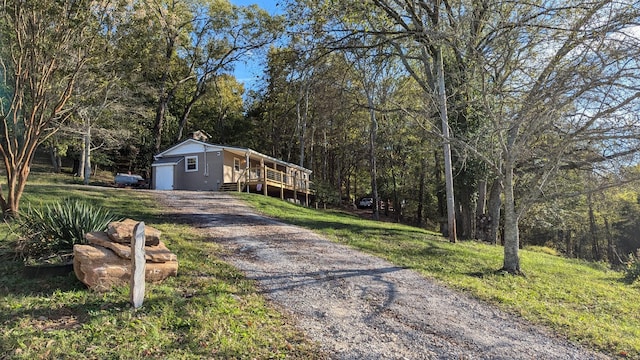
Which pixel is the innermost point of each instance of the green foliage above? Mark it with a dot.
(326, 194)
(632, 268)
(56, 227)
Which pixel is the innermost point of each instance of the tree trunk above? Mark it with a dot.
(372, 157)
(448, 167)
(87, 156)
(481, 204)
(511, 232)
(610, 247)
(421, 191)
(495, 204)
(440, 193)
(481, 217)
(302, 120)
(159, 122)
(16, 182)
(568, 243)
(56, 161)
(593, 230)
(397, 209)
(466, 215)
(185, 116)
(83, 158)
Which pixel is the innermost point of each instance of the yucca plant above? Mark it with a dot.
(55, 228)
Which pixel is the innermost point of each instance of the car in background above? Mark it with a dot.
(130, 180)
(365, 203)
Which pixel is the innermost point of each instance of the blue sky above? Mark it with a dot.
(269, 5)
(247, 73)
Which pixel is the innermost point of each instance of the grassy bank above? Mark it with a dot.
(208, 311)
(582, 301)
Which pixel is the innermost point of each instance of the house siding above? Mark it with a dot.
(206, 178)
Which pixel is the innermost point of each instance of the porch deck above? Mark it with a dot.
(274, 183)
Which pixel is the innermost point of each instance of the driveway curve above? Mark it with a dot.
(358, 306)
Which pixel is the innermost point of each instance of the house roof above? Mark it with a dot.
(169, 160)
(171, 152)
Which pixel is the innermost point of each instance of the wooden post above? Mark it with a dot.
(263, 169)
(138, 263)
(281, 185)
(306, 190)
(307, 197)
(295, 191)
(247, 170)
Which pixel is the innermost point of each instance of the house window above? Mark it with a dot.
(191, 163)
(236, 164)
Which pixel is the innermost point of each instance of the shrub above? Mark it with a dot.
(632, 268)
(55, 228)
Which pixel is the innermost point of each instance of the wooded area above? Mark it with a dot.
(520, 121)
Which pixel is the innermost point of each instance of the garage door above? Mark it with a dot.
(164, 177)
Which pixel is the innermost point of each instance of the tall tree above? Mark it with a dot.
(44, 45)
(420, 47)
(222, 35)
(200, 41)
(563, 82)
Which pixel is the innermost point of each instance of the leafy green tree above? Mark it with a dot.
(44, 45)
(190, 44)
(222, 35)
(220, 112)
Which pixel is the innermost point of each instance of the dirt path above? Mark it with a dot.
(358, 306)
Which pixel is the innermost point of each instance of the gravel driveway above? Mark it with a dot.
(358, 306)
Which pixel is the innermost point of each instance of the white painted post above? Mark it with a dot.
(138, 264)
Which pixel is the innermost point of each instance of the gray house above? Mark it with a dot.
(200, 166)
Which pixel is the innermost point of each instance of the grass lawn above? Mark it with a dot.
(208, 311)
(211, 311)
(582, 301)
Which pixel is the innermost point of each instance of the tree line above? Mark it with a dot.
(515, 123)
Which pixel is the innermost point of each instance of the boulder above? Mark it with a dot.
(158, 253)
(122, 232)
(100, 268)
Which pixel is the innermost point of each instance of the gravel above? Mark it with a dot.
(358, 306)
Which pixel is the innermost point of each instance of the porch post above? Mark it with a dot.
(281, 186)
(295, 181)
(306, 190)
(264, 177)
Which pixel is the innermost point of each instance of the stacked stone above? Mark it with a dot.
(106, 260)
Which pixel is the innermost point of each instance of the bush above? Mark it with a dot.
(632, 268)
(55, 228)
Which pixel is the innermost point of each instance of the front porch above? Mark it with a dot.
(289, 184)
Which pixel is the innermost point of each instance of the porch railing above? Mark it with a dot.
(274, 177)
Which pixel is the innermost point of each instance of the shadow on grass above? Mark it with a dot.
(63, 317)
(14, 281)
